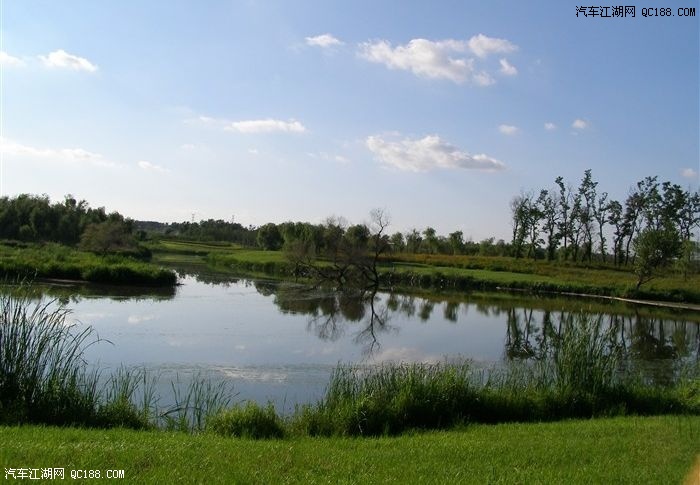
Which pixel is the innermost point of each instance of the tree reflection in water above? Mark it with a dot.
(651, 344)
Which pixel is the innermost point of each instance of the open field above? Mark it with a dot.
(621, 450)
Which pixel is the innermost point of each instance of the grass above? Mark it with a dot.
(620, 450)
(62, 262)
(42, 370)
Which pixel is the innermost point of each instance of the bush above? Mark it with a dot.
(249, 421)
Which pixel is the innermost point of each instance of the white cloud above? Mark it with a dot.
(151, 167)
(6, 60)
(689, 173)
(508, 129)
(482, 45)
(265, 126)
(423, 57)
(324, 40)
(253, 151)
(550, 126)
(483, 79)
(62, 59)
(444, 59)
(579, 124)
(187, 146)
(419, 155)
(507, 68)
(66, 155)
(329, 157)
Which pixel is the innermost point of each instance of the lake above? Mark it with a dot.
(279, 341)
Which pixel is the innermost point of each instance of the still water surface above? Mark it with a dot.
(279, 341)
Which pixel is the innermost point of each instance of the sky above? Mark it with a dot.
(268, 111)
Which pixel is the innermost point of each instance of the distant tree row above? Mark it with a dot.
(324, 236)
(583, 223)
(207, 231)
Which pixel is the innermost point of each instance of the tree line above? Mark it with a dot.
(584, 224)
(72, 222)
(209, 230)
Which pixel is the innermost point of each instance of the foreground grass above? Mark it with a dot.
(621, 450)
(63, 262)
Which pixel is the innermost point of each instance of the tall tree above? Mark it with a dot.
(587, 191)
(456, 242)
(549, 211)
(600, 215)
(564, 220)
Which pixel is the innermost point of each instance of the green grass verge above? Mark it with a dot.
(62, 262)
(621, 450)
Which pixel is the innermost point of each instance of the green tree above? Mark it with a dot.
(269, 237)
(430, 241)
(108, 237)
(457, 242)
(548, 206)
(413, 241)
(397, 242)
(654, 250)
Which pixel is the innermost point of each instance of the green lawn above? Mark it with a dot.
(622, 450)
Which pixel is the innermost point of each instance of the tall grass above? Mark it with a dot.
(43, 376)
(193, 408)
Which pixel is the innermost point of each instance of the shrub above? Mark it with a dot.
(249, 421)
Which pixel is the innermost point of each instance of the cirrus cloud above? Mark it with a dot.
(64, 60)
(427, 153)
(268, 125)
(507, 68)
(151, 167)
(324, 41)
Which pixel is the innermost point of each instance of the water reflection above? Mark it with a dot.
(532, 327)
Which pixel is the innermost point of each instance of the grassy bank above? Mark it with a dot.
(62, 262)
(621, 450)
(459, 273)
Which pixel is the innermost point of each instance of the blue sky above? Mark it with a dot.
(439, 112)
